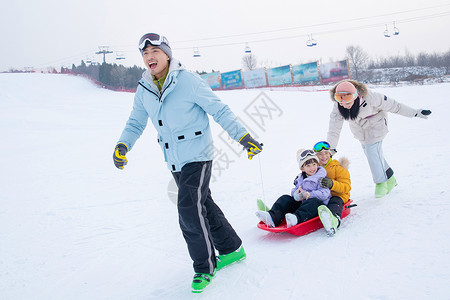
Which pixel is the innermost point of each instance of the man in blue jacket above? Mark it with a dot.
(178, 103)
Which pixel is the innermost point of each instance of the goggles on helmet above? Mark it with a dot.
(153, 39)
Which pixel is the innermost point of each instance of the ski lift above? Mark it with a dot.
(248, 50)
(120, 56)
(311, 42)
(196, 52)
(396, 31)
(386, 32)
(88, 60)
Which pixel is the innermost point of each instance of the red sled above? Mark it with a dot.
(305, 227)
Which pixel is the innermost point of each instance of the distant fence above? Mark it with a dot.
(288, 75)
(285, 76)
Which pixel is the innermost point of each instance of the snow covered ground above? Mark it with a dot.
(72, 226)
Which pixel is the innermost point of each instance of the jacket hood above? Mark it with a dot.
(174, 67)
(342, 161)
(360, 87)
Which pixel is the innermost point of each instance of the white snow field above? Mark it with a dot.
(72, 226)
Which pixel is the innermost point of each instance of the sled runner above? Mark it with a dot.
(305, 227)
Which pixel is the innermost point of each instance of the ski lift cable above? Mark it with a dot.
(70, 58)
(406, 20)
(314, 25)
(319, 33)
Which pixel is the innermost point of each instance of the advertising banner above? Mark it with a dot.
(232, 80)
(306, 73)
(334, 71)
(279, 76)
(255, 78)
(213, 79)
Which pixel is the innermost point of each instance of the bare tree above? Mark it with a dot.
(249, 62)
(446, 62)
(410, 60)
(357, 58)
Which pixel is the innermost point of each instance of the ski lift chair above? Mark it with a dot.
(196, 52)
(386, 32)
(396, 31)
(248, 50)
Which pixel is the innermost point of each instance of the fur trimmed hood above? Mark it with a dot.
(344, 162)
(360, 87)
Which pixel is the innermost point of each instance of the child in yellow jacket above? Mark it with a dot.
(339, 183)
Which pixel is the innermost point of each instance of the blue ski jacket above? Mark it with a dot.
(179, 115)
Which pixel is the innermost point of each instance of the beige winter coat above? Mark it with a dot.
(371, 124)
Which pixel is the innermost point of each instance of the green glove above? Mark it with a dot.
(119, 155)
(252, 146)
(326, 182)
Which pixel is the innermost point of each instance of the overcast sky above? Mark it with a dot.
(61, 33)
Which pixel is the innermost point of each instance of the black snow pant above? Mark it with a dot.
(336, 205)
(304, 210)
(203, 224)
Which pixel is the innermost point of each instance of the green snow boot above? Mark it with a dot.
(381, 189)
(261, 205)
(391, 183)
(201, 281)
(330, 222)
(228, 259)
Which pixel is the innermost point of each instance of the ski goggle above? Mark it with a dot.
(153, 39)
(321, 146)
(306, 153)
(345, 96)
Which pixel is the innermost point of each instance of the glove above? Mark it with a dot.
(299, 196)
(119, 155)
(423, 113)
(326, 182)
(252, 146)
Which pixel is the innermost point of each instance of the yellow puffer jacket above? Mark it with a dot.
(341, 178)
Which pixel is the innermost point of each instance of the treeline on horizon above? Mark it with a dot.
(434, 60)
(118, 76)
(110, 75)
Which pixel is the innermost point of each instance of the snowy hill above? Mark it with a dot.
(72, 226)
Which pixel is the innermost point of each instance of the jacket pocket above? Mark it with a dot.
(193, 145)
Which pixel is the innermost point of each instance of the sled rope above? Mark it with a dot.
(260, 174)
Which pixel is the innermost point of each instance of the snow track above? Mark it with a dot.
(72, 226)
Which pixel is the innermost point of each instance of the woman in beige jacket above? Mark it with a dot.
(366, 111)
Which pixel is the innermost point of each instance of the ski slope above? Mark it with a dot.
(72, 226)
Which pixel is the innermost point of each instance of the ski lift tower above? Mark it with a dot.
(104, 50)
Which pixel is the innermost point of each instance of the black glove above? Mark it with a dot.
(326, 182)
(423, 113)
(119, 155)
(252, 146)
